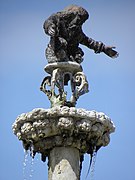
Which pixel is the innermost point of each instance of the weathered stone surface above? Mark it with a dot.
(45, 129)
(64, 164)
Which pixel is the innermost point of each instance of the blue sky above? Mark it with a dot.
(112, 83)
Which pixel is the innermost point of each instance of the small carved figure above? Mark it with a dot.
(65, 31)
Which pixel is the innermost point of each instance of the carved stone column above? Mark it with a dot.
(64, 164)
(63, 133)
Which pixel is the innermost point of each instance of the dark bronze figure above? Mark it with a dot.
(64, 55)
(65, 31)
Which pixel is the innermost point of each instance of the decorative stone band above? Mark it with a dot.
(44, 129)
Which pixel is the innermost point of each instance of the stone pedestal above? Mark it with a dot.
(62, 74)
(63, 134)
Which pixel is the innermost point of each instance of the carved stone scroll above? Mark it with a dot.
(60, 74)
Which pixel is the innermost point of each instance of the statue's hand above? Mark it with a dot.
(109, 50)
(52, 30)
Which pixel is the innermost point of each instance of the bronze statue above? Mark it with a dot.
(65, 31)
(64, 55)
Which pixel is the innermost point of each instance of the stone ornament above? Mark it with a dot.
(60, 74)
(43, 129)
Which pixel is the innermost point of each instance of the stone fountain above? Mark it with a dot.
(64, 133)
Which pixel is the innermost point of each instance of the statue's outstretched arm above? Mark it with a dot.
(98, 46)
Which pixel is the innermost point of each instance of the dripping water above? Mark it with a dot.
(91, 168)
(28, 164)
(32, 161)
(25, 164)
(31, 168)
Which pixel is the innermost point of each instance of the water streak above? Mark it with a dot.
(28, 164)
(32, 161)
(92, 169)
(31, 168)
(25, 162)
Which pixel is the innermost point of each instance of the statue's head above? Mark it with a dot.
(79, 13)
